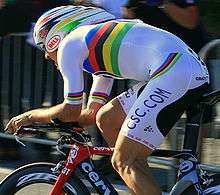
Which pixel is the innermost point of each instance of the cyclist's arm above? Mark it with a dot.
(69, 59)
(67, 111)
(99, 94)
(64, 112)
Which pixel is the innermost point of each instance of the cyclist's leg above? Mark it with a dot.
(139, 136)
(111, 116)
(129, 160)
(104, 120)
(159, 106)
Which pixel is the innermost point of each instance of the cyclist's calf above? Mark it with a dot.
(129, 160)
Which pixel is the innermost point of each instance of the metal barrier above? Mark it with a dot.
(26, 80)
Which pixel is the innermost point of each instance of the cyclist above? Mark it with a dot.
(171, 78)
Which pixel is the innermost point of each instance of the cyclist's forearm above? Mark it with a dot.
(64, 112)
(88, 115)
(86, 120)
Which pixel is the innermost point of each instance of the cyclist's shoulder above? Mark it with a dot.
(75, 41)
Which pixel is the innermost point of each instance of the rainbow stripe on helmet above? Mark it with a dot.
(61, 20)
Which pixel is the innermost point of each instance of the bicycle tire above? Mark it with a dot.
(39, 173)
(212, 189)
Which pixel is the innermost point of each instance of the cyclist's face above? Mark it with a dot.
(51, 56)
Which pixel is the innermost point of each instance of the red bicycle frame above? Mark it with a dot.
(77, 154)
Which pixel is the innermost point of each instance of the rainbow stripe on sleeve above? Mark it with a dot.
(104, 42)
(74, 96)
(167, 65)
(99, 96)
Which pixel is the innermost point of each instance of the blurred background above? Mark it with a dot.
(28, 81)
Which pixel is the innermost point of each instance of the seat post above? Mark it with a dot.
(192, 129)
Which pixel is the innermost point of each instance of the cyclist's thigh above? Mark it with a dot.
(112, 111)
(117, 109)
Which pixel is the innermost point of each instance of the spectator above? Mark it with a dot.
(180, 17)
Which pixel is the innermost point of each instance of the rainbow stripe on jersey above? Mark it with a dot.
(103, 43)
(74, 96)
(99, 96)
(167, 65)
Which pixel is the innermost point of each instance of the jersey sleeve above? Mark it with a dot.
(70, 59)
(100, 90)
(73, 87)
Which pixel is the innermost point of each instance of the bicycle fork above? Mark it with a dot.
(65, 170)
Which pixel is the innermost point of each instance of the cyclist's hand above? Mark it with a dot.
(18, 121)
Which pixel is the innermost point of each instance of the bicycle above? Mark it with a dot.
(64, 178)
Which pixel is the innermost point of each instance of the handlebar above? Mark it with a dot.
(70, 132)
(55, 126)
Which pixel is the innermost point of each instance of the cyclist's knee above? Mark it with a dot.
(103, 119)
(121, 162)
(118, 163)
(109, 113)
(126, 159)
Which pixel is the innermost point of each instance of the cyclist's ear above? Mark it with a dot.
(46, 55)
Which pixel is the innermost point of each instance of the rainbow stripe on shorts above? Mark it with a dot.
(167, 65)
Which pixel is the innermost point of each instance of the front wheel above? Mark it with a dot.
(212, 189)
(38, 179)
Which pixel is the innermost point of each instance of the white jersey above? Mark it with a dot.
(174, 74)
(117, 49)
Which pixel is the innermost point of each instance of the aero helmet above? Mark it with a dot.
(55, 24)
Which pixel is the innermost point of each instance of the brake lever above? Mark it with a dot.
(17, 138)
(16, 135)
